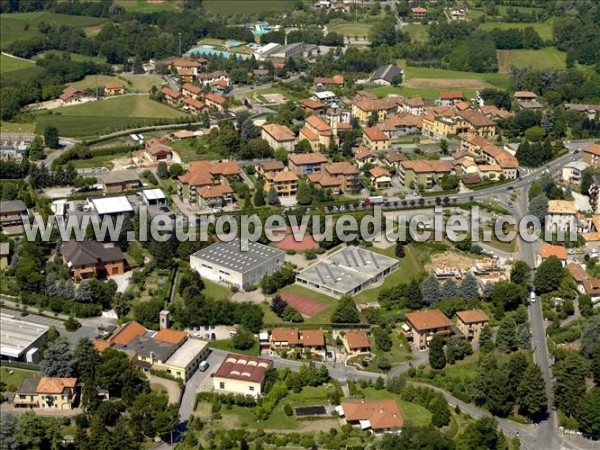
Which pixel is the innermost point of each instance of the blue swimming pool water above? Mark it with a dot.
(261, 31)
(208, 51)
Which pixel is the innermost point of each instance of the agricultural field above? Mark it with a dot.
(544, 29)
(18, 26)
(133, 83)
(443, 78)
(549, 57)
(105, 116)
(145, 6)
(233, 7)
(8, 64)
(14, 127)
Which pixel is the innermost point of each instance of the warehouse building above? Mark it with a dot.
(112, 206)
(226, 262)
(20, 339)
(347, 271)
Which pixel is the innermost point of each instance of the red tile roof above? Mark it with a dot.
(170, 336)
(48, 385)
(279, 132)
(215, 98)
(375, 134)
(381, 414)
(289, 335)
(548, 250)
(313, 338)
(357, 340)
(472, 316)
(428, 320)
(300, 159)
(127, 333)
(245, 368)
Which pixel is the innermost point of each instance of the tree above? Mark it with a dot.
(259, 196)
(585, 305)
(538, 207)
(444, 146)
(531, 392)
(416, 438)
(175, 170)
(51, 137)
(58, 360)
(449, 290)
(440, 412)
(457, 349)
(399, 250)
(430, 290)
(569, 385)
(588, 414)
(469, 288)
(243, 339)
(249, 130)
(152, 415)
(382, 339)
(520, 273)
(437, 358)
(508, 296)
(481, 434)
(304, 193)
(590, 337)
(162, 170)
(278, 305)
(345, 311)
(499, 398)
(496, 97)
(9, 430)
(486, 340)
(549, 275)
(506, 339)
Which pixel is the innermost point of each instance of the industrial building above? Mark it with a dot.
(20, 338)
(226, 262)
(241, 374)
(347, 271)
(112, 206)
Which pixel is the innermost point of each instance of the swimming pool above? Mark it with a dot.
(209, 50)
(259, 31)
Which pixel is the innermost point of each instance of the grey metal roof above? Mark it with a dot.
(229, 255)
(29, 386)
(17, 334)
(120, 176)
(387, 73)
(347, 269)
(12, 206)
(147, 346)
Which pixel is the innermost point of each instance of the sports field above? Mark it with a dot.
(549, 57)
(19, 26)
(8, 64)
(349, 29)
(106, 116)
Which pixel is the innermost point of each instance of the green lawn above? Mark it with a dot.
(417, 32)
(278, 420)
(467, 368)
(17, 377)
(13, 127)
(227, 345)
(397, 355)
(433, 93)
(410, 267)
(323, 316)
(549, 57)
(13, 26)
(143, 6)
(105, 116)
(233, 7)
(412, 413)
(132, 83)
(497, 79)
(215, 290)
(544, 29)
(8, 64)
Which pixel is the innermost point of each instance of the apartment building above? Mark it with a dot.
(306, 163)
(423, 173)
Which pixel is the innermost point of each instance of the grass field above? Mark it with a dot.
(417, 32)
(215, 291)
(12, 26)
(410, 267)
(384, 91)
(227, 345)
(544, 29)
(350, 29)
(104, 116)
(17, 377)
(497, 79)
(8, 64)
(133, 83)
(232, 7)
(143, 6)
(10, 127)
(549, 57)
(74, 56)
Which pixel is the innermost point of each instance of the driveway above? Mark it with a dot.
(200, 381)
(171, 387)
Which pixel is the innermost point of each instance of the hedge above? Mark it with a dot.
(166, 376)
(19, 365)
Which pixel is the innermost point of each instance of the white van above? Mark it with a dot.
(203, 366)
(532, 297)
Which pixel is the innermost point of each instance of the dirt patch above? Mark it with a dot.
(450, 259)
(289, 243)
(466, 83)
(504, 57)
(304, 305)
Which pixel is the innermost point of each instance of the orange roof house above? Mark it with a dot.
(171, 336)
(48, 385)
(424, 324)
(285, 337)
(548, 250)
(377, 415)
(127, 333)
(472, 316)
(356, 341)
(313, 338)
